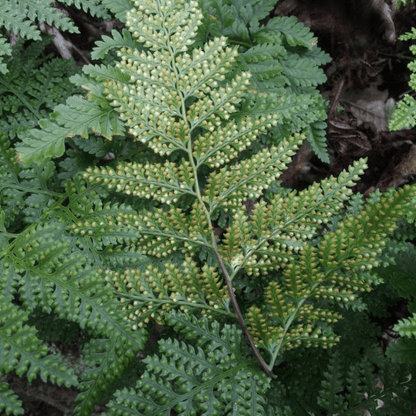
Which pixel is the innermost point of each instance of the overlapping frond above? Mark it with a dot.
(206, 375)
(332, 271)
(152, 293)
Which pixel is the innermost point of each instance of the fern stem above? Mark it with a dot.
(286, 329)
(227, 279)
(240, 318)
(23, 100)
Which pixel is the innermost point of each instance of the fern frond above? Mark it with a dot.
(156, 291)
(38, 144)
(24, 353)
(388, 389)
(295, 33)
(316, 136)
(190, 381)
(80, 115)
(407, 327)
(118, 7)
(334, 272)
(12, 18)
(164, 182)
(93, 7)
(229, 188)
(302, 72)
(331, 386)
(118, 40)
(9, 402)
(33, 86)
(405, 114)
(263, 52)
(403, 350)
(5, 50)
(106, 360)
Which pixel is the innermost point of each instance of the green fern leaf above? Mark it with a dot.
(331, 386)
(106, 359)
(80, 115)
(118, 40)
(38, 144)
(263, 52)
(43, 12)
(93, 7)
(316, 135)
(118, 7)
(5, 50)
(302, 72)
(403, 350)
(24, 353)
(407, 327)
(9, 402)
(11, 17)
(405, 114)
(190, 381)
(295, 33)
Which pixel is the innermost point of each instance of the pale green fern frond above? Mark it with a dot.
(332, 271)
(407, 327)
(152, 293)
(204, 118)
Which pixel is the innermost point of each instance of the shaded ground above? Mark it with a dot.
(367, 76)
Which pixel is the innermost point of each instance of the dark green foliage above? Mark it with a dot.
(153, 220)
(33, 86)
(374, 384)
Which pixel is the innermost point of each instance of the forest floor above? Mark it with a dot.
(367, 75)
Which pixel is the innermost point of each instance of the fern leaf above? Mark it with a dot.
(93, 7)
(331, 386)
(78, 115)
(221, 382)
(263, 52)
(118, 40)
(156, 291)
(247, 179)
(5, 49)
(295, 33)
(405, 114)
(407, 327)
(9, 402)
(166, 181)
(316, 136)
(11, 17)
(43, 12)
(118, 7)
(32, 87)
(322, 276)
(302, 72)
(24, 353)
(38, 144)
(106, 359)
(403, 350)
